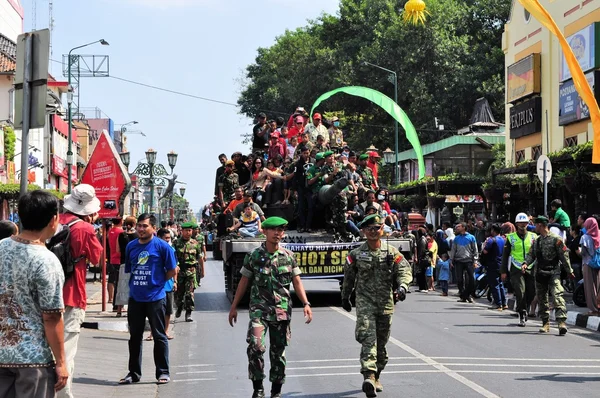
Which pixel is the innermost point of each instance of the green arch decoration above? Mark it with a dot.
(388, 105)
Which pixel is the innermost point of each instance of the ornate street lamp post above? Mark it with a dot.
(153, 174)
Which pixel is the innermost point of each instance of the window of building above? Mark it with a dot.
(536, 152)
(519, 156)
(571, 141)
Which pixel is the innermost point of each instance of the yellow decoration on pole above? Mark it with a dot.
(415, 12)
(581, 84)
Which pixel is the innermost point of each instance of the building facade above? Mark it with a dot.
(543, 111)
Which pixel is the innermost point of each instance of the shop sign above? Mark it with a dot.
(526, 118)
(571, 107)
(583, 44)
(524, 78)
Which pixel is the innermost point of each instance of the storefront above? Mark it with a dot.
(58, 177)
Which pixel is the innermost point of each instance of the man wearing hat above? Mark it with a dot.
(373, 165)
(270, 269)
(332, 172)
(316, 128)
(228, 183)
(297, 128)
(336, 136)
(548, 253)
(199, 237)
(81, 210)
(366, 174)
(276, 146)
(314, 182)
(189, 254)
(376, 271)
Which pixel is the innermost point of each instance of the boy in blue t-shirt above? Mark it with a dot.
(443, 265)
(151, 263)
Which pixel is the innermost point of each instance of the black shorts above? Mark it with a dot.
(169, 309)
(112, 271)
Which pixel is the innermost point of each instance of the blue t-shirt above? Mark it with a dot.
(443, 269)
(494, 247)
(148, 264)
(171, 282)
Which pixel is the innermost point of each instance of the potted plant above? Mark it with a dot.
(418, 201)
(492, 192)
(435, 200)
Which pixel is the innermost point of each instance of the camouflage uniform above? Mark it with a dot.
(188, 253)
(366, 174)
(547, 254)
(228, 182)
(376, 274)
(339, 205)
(200, 268)
(336, 137)
(322, 148)
(270, 309)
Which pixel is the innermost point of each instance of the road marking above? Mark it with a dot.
(461, 379)
(196, 372)
(498, 365)
(357, 366)
(188, 380)
(508, 372)
(519, 359)
(345, 360)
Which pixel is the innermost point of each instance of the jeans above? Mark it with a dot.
(351, 226)
(496, 287)
(444, 286)
(465, 287)
(136, 318)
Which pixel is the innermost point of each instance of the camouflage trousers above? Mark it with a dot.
(551, 285)
(373, 332)
(186, 283)
(338, 209)
(524, 286)
(279, 338)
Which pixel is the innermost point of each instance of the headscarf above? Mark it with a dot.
(507, 228)
(450, 234)
(591, 227)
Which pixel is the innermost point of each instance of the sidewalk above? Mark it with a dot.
(94, 317)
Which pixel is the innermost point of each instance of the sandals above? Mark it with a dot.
(163, 379)
(129, 379)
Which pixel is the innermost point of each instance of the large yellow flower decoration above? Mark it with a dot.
(415, 12)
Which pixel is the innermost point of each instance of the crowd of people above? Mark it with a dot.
(289, 165)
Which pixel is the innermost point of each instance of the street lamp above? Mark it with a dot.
(151, 156)
(154, 174)
(182, 191)
(125, 158)
(172, 159)
(392, 78)
(388, 156)
(70, 115)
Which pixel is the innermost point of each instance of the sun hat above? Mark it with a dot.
(82, 200)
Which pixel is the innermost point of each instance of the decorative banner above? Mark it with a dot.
(524, 78)
(107, 174)
(322, 260)
(583, 88)
(571, 106)
(388, 105)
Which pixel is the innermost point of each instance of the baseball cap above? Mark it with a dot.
(374, 154)
(299, 119)
(262, 115)
(317, 116)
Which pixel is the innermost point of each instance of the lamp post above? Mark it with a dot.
(70, 103)
(124, 129)
(153, 174)
(388, 158)
(392, 78)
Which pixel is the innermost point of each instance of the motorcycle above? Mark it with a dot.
(481, 284)
(579, 295)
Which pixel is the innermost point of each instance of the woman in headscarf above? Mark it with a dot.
(591, 280)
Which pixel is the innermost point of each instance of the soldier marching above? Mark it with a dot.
(189, 254)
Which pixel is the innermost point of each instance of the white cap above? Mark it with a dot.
(521, 217)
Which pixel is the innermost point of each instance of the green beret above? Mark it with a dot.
(186, 225)
(542, 220)
(319, 156)
(364, 156)
(372, 220)
(328, 153)
(274, 222)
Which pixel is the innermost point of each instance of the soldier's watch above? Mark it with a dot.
(307, 303)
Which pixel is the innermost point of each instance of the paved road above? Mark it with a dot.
(439, 348)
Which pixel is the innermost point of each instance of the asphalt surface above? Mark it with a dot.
(439, 348)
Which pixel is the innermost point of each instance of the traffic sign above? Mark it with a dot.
(540, 168)
(109, 176)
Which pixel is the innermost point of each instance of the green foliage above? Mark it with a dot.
(442, 67)
(10, 139)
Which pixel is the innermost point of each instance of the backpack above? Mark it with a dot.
(60, 245)
(595, 260)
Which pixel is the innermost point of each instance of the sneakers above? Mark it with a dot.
(545, 328)
(378, 385)
(188, 316)
(258, 393)
(368, 386)
(562, 328)
(470, 300)
(522, 319)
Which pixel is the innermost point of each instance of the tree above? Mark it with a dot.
(442, 67)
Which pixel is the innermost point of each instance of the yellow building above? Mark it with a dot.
(543, 111)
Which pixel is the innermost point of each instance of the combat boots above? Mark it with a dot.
(562, 328)
(178, 312)
(276, 390)
(188, 316)
(545, 327)
(259, 391)
(368, 385)
(378, 385)
(522, 318)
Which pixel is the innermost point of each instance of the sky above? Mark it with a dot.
(199, 47)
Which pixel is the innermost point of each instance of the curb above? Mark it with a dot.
(111, 326)
(574, 318)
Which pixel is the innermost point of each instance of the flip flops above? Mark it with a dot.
(129, 379)
(163, 379)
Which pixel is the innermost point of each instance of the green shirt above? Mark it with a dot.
(562, 218)
(270, 275)
(310, 174)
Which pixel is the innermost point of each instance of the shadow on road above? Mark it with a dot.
(336, 395)
(111, 338)
(218, 302)
(96, 382)
(562, 378)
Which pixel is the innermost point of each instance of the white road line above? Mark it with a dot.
(358, 366)
(515, 365)
(194, 366)
(519, 359)
(188, 380)
(459, 371)
(196, 372)
(346, 360)
(461, 379)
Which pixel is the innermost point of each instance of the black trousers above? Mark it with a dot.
(136, 318)
(465, 270)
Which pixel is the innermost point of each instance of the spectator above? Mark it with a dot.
(259, 131)
(336, 136)
(560, 216)
(463, 254)
(574, 244)
(115, 259)
(492, 260)
(151, 263)
(32, 354)
(590, 242)
(249, 223)
(316, 128)
(81, 210)
(443, 266)
(7, 229)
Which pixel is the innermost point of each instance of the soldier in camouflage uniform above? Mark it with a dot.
(365, 173)
(377, 271)
(228, 182)
(332, 172)
(314, 182)
(547, 254)
(188, 252)
(199, 237)
(269, 269)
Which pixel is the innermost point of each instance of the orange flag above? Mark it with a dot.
(581, 84)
